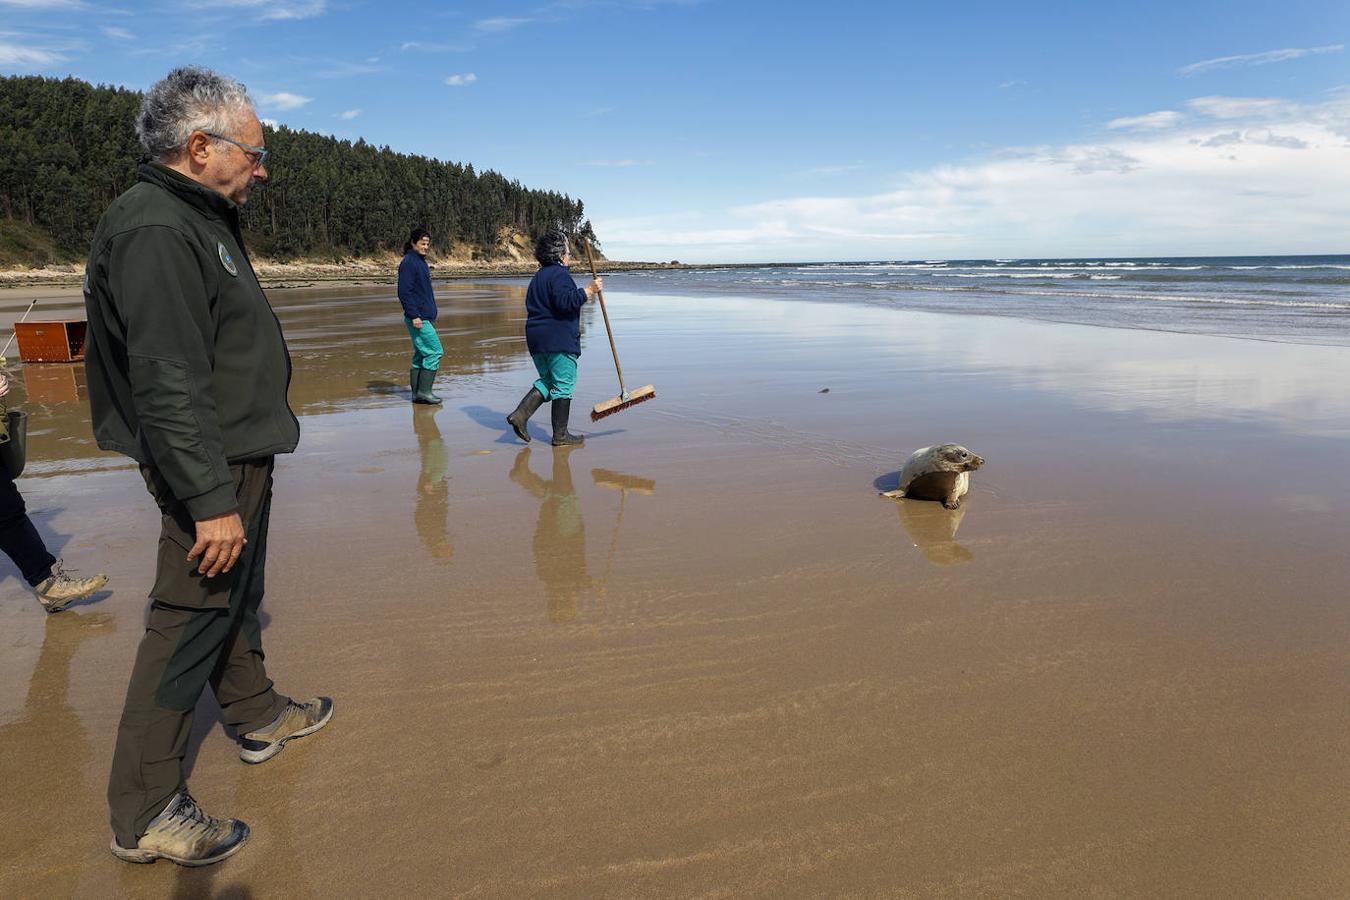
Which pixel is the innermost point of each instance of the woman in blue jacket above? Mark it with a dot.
(419, 314)
(553, 335)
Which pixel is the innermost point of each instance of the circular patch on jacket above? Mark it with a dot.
(226, 260)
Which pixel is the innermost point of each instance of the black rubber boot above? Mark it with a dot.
(429, 384)
(521, 415)
(421, 380)
(562, 409)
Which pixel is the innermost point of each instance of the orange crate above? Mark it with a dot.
(51, 341)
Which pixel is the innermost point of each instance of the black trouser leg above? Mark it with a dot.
(201, 631)
(19, 539)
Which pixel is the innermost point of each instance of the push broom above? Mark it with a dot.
(626, 397)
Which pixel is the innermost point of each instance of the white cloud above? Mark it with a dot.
(348, 115)
(21, 56)
(344, 69)
(43, 4)
(117, 34)
(1163, 118)
(280, 10)
(433, 47)
(283, 100)
(270, 123)
(616, 163)
(1193, 189)
(1257, 59)
(831, 170)
(1004, 85)
(461, 80)
(499, 23)
(1242, 107)
(1264, 137)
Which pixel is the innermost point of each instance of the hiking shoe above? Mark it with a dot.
(296, 720)
(185, 834)
(59, 590)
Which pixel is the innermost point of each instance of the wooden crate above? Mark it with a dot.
(51, 341)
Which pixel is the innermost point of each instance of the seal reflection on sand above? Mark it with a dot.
(432, 513)
(933, 529)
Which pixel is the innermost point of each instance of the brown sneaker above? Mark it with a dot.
(59, 590)
(296, 720)
(185, 834)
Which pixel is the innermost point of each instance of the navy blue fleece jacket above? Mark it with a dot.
(414, 287)
(553, 306)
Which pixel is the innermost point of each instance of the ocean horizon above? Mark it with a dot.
(1301, 299)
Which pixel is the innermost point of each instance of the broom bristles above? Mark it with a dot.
(639, 396)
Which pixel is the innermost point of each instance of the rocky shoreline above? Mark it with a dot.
(362, 271)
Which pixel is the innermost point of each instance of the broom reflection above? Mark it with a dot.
(560, 533)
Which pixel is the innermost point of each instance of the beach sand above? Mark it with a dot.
(700, 657)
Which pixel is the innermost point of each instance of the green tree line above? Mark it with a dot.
(68, 148)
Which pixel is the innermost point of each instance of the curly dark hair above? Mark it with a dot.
(551, 247)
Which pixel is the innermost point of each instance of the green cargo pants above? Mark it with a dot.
(200, 631)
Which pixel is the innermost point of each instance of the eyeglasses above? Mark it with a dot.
(258, 155)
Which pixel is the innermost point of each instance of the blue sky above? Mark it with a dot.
(716, 130)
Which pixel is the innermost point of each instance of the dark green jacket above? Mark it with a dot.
(187, 366)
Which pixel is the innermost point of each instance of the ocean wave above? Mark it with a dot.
(1188, 298)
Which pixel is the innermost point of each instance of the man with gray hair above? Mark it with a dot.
(188, 372)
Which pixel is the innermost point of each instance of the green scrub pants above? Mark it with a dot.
(557, 374)
(427, 350)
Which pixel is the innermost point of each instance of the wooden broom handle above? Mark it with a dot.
(604, 312)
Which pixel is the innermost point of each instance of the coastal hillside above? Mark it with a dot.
(67, 148)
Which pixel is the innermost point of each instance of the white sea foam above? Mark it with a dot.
(1174, 298)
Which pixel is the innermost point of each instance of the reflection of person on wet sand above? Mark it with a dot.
(47, 746)
(432, 515)
(933, 530)
(559, 536)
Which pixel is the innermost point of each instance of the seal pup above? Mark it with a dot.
(937, 473)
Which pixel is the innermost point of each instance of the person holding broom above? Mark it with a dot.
(553, 335)
(419, 315)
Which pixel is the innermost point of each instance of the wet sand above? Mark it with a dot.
(701, 657)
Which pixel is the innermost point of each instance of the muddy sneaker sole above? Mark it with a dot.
(149, 856)
(254, 752)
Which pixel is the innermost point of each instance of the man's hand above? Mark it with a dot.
(222, 539)
(595, 286)
(417, 323)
